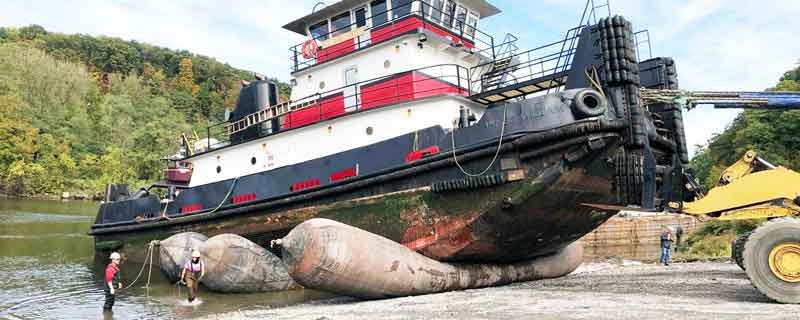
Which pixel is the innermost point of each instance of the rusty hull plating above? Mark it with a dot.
(538, 214)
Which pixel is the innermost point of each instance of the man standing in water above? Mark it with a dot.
(112, 281)
(192, 272)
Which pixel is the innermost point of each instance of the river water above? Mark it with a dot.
(48, 270)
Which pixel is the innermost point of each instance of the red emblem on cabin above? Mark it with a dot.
(309, 49)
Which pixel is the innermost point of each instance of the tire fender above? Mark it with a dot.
(589, 103)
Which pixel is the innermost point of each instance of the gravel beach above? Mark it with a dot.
(708, 290)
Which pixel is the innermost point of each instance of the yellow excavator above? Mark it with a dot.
(752, 188)
(771, 253)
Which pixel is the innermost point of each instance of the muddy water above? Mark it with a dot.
(48, 270)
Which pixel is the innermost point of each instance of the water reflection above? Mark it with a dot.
(48, 270)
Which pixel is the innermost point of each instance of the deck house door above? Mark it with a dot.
(351, 97)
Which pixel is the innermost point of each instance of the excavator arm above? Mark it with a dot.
(724, 99)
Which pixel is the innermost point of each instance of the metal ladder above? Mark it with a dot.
(504, 64)
(589, 17)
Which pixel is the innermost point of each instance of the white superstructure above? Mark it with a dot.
(374, 70)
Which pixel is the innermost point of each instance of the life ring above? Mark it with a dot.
(309, 49)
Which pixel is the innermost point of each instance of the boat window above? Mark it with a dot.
(340, 24)
(461, 17)
(320, 30)
(449, 13)
(401, 8)
(361, 17)
(436, 10)
(472, 22)
(379, 12)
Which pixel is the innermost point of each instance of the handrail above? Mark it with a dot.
(551, 59)
(460, 77)
(484, 42)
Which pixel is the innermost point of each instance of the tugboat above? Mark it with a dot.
(407, 121)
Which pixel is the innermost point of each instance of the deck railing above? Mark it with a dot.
(471, 37)
(540, 69)
(373, 93)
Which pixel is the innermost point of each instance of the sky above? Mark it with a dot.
(717, 44)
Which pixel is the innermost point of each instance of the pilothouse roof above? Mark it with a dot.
(483, 7)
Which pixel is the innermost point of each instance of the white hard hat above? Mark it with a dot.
(195, 253)
(115, 256)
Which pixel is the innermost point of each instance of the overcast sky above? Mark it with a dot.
(718, 44)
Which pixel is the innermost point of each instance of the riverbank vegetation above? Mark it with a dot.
(81, 111)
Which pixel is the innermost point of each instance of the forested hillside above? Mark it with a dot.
(774, 134)
(80, 111)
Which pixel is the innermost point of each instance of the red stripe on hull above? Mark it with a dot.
(305, 185)
(343, 174)
(419, 154)
(191, 208)
(244, 198)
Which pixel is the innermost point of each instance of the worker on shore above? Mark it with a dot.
(192, 272)
(666, 246)
(113, 281)
(678, 236)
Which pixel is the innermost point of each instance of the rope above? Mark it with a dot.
(149, 259)
(594, 79)
(496, 153)
(233, 185)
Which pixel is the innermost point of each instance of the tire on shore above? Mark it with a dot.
(772, 259)
(331, 256)
(174, 251)
(235, 264)
(737, 249)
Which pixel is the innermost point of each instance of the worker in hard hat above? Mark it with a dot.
(192, 272)
(113, 282)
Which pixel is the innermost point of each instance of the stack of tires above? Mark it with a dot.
(661, 73)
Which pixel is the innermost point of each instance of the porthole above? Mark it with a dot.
(387, 64)
(219, 169)
(369, 131)
(322, 85)
(253, 160)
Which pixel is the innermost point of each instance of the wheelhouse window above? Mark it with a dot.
(361, 17)
(449, 14)
(472, 23)
(461, 17)
(435, 14)
(401, 8)
(380, 14)
(319, 31)
(340, 24)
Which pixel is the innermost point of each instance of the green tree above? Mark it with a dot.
(17, 137)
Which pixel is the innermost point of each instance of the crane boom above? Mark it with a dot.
(724, 99)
